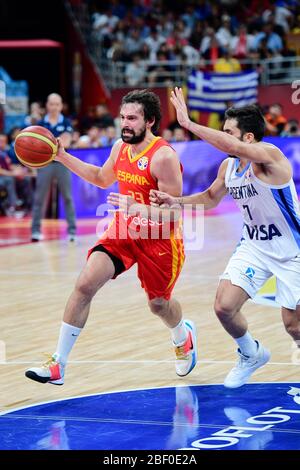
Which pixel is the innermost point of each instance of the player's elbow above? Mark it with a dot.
(210, 205)
(102, 184)
(211, 201)
(101, 181)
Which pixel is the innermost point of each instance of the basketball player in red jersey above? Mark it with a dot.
(140, 161)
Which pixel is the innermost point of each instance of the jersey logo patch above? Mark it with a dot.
(142, 163)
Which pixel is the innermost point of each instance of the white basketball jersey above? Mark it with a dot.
(271, 213)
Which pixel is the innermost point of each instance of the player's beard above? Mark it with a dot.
(135, 138)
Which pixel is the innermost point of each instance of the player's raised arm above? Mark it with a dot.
(225, 140)
(99, 176)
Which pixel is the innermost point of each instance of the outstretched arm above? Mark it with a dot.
(256, 152)
(99, 176)
(210, 198)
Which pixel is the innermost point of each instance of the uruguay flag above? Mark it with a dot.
(211, 92)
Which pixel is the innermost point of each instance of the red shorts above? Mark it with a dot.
(159, 261)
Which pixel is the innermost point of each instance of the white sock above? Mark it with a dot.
(67, 336)
(179, 333)
(247, 344)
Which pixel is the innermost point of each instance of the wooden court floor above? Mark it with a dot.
(123, 346)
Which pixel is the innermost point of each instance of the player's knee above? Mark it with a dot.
(293, 329)
(158, 306)
(85, 288)
(223, 308)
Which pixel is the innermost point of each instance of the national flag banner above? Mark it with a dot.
(211, 92)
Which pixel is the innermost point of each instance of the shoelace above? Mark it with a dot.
(242, 361)
(50, 361)
(180, 353)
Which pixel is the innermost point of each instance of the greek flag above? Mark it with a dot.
(214, 92)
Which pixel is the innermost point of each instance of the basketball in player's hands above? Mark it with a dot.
(35, 146)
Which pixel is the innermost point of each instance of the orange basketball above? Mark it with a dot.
(35, 146)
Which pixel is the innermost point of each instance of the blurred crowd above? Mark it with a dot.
(225, 32)
(141, 32)
(99, 129)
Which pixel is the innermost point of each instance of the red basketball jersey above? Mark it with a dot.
(133, 173)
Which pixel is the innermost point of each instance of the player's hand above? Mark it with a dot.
(60, 150)
(121, 200)
(161, 199)
(177, 99)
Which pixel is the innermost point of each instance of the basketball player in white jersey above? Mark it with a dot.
(259, 178)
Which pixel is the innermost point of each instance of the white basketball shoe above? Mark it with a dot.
(245, 367)
(186, 354)
(52, 372)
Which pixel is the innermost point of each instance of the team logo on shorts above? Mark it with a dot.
(250, 272)
(142, 163)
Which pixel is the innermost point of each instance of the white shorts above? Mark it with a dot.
(250, 270)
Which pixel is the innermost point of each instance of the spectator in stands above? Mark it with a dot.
(108, 136)
(213, 53)
(197, 35)
(154, 41)
(291, 129)
(88, 119)
(227, 64)
(133, 42)
(167, 134)
(179, 135)
(91, 139)
(161, 73)
(104, 24)
(282, 16)
(191, 55)
(242, 43)
(262, 52)
(75, 138)
(36, 114)
(166, 24)
(296, 25)
(135, 71)
(60, 127)
(176, 40)
(223, 34)
(117, 52)
(275, 121)
(102, 118)
(209, 34)
(7, 176)
(274, 41)
(190, 17)
(277, 28)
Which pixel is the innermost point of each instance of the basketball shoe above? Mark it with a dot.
(52, 372)
(186, 354)
(245, 367)
(37, 237)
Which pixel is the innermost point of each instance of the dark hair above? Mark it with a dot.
(150, 104)
(249, 119)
